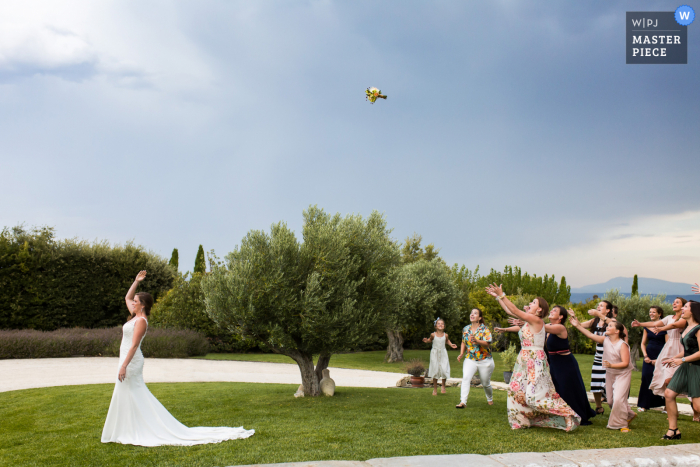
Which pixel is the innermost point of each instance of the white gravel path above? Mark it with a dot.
(45, 372)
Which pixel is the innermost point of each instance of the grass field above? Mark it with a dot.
(62, 426)
(375, 361)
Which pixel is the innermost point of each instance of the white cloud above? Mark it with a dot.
(664, 247)
(131, 45)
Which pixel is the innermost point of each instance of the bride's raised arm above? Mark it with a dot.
(132, 291)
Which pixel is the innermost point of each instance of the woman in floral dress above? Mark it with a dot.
(532, 399)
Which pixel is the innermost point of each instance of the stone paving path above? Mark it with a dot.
(666, 456)
(46, 372)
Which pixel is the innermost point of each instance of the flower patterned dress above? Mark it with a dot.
(532, 399)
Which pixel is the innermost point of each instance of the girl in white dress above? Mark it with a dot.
(135, 416)
(439, 361)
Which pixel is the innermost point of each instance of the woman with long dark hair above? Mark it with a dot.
(618, 368)
(598, 326)
(532, 398)
(686, 379)
(135, 416)
(652, 344)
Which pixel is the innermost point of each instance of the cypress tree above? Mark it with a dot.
(199, 264)
(175, 259)
(635, 286)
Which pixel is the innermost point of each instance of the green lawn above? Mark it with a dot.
(375, 361)
(62, 426)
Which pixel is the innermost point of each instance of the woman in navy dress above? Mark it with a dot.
(652, 343)
(564, 369)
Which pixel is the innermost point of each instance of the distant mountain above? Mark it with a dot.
(646, 286)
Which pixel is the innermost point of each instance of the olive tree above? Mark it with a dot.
(423, 291)
(321, 296)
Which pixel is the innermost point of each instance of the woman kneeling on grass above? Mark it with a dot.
(532, 399)
(618, 371)
(686, 380)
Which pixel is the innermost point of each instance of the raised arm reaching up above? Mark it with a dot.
(532, 316)
(575, 322)
(132, 291)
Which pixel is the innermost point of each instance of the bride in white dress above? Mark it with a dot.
(135, 416)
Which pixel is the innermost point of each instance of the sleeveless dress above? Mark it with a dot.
(617, 381)
(439, 362)
(687, 379)
(567, 379)
(672, 348)
(647, 399)
(136, 417)
(597, 371)
(532, 399)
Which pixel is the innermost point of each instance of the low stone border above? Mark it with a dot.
(652, 456)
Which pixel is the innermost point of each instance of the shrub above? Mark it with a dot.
(48, 284)
(509, 357)
(158, 343)
(182, 307)
(415, 367)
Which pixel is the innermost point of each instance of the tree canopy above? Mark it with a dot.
(317, 297)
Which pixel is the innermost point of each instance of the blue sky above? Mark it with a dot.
(513, 133)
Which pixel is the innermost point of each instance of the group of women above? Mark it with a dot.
(546, 388)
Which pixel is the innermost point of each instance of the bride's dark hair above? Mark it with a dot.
(146, 300)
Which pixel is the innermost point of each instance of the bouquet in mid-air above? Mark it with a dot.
(373, 94)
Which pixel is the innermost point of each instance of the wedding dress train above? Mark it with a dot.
(136, 417)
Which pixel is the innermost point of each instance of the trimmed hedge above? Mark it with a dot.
(48, 284)
(158, 343)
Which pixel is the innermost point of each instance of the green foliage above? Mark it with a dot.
(635, 286)
(579, 343)
(412, 250)
(513, 279)
(635, 307)
(424, 291)
(509, 357)
(47, 284)
(200, 265)
(158, 343)
(175, 259)
(322, 296)
(183, 307)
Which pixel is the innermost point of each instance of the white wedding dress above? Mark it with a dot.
(136, 417)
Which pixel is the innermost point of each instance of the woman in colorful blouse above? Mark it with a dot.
(476, 340)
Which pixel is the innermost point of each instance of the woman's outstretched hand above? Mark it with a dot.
(516, 322)
(141, 276)
(696, 288)
(495, 290)
(636, 323)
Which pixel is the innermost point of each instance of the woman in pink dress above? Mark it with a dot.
(674, 325)
(532, 398)
(618, 371)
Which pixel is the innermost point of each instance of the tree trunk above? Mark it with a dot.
(322, 363)
(394, 351)
(634, 355)
(309, 379)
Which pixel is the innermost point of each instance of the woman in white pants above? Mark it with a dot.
(476, 340)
